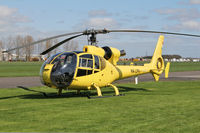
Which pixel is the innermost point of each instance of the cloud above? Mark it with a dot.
(181, 19)
(98, 22)
(196, 2)
(190, 25)
(11, 16)
(5, 11)
(180, 14)
(99, 13)
(9, 20)
(60, 21)
(102, 22)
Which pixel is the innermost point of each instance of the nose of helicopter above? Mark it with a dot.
(60, 80)
(58, 71)
(57, 79)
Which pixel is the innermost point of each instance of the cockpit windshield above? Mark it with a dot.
(63, 70)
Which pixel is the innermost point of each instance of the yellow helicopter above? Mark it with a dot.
(96, 67)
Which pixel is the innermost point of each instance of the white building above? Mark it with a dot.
(196, 60)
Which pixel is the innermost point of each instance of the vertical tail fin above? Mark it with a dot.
(157, 62)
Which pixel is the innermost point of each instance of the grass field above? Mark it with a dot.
(20, 69)
(184, 66)
(148, 107)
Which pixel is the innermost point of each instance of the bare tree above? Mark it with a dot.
(28, 39)
(10, 43)
(19, 42)
(55, 41)
(1, 44)
(1, 47)
(48, 45)
(71, 46)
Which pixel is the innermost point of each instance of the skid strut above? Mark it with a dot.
(100, 94)
(98, 90)
(115, 88)
(59, 91)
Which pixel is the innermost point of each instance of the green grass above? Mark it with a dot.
(148, 107)
(184, 66)
(19, 69)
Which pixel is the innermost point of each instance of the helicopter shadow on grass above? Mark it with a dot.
(53, 96)
(47, 96)
(42, 95)
(82, 94)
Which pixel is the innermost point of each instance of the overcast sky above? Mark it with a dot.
(43, 18)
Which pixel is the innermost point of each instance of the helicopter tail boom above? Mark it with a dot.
(155, 67)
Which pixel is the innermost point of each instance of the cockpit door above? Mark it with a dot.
(85, 66)
(88, 64)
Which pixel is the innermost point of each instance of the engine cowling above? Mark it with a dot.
(109, 53)
(113, 54)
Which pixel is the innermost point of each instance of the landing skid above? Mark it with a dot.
(51, 96)
(27, 89)
(85, 95)
(89, 97)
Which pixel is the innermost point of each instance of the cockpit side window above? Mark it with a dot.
(85, 65)
(86, 61)
(89, 64)
(81, 72)
(96, 62)
(89, 56)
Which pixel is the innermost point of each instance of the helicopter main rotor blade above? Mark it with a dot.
(60, 43)
(149, 31)
(103, 31)
(46, 39)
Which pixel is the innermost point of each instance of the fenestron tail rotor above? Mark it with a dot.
(92, 37)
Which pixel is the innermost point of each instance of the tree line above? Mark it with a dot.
(165, 57)
(27, 52)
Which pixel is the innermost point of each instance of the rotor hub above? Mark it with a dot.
(92, 39)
